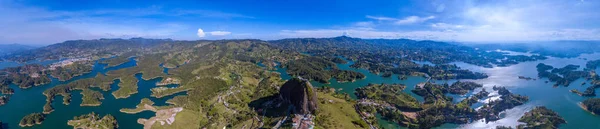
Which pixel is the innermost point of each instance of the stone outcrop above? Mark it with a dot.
(300, 93)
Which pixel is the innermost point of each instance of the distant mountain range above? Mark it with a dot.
(6, 49)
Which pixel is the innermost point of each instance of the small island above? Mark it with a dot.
(145, 104)
(93, 121)
(541, 118)
(591, 105)
(508, 100)
(32, 119)
(3, 100)
(562, 76)
(526, 78)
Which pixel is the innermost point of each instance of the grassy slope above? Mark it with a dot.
(337, 114)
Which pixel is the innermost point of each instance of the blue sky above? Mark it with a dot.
(46, 22)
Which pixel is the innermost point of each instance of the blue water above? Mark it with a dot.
(540, 93)
(26, 101)
(6, 64)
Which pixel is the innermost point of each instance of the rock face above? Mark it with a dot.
(300, 93)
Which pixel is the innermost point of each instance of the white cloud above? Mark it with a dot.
(364, 24)
(446, 26)
(403, 21)
(33, 25)
(201, 33)
(219, 33)
(381, 18)
(413, 19)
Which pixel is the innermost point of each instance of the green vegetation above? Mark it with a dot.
(24, 76)
(94, 121)
(391, 94)
(4, 89)
(592, 105)
(562, 76)
(32, 119)
(507, 100)
(3, 99)
(337, 113)
(462, 87)
(311, 68)
(437, 108)
(541, 118)
(225, 87)
(145, 104)
(592, 64)
(385, 52)
(473, 99)
(127, 87)
(68, 71)
(118, 60)
(433, 93)
(346, 75)
(91, 97)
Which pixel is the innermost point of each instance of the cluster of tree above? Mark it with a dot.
(541, 118)
(94, 120)
(101, 81)
(389, 93)
(589, 92)
(320, 69)
(440, 109)
(592, 105)
(91, 97)
(432, 92)
(24, 76)
(86, 48)
(432, 51)
(473, 99)
(32, 119)
(440, 72)
(69, 71)
(445, 113)
(311, 68)
(3, 99)
(346, 75)
(462, 87)
(386, 74)
(507, 100)
(562, 76)
(4, 89)
(337, 60)
(399, 107)
(592, 65)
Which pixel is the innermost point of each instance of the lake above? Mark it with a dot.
(26, 101)
(559, 99)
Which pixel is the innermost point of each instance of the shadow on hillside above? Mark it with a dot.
(270, 106)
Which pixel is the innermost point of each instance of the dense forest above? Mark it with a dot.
(32, 119)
